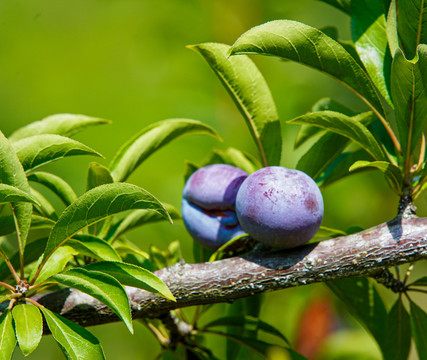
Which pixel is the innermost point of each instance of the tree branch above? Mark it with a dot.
(367, 253)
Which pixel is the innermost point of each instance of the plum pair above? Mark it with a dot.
(279, 207)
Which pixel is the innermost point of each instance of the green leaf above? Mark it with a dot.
(321, 154)
(55, 264)
(364, 303)
(391, 28)
(76, 342)
(96, 205)
(247, 322)
(38, 150)
(7, 336)
(28, 327)
(392, 172)
(138, 218)
(249, 90)
(94, 247)
(132, 275)
(44, 207)
(408, 82)
(59, 124)
(369, 35)
(56, 184)
(419, 282)
(325, 233)
(7, 223)
(97, 175)
(151, 139)
(257, 346)
(411, 25)
(307, 132)
(131, 255)
(9, 193)
(397, 333)
(231, 246)
(13, 174)
(346, 126)
(302, 43)
(343, 5)
(102, 287)
(339, 168)
(419, 329)
(236, 158)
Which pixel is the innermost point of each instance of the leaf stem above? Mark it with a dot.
(20, 249)
(7, 286)
(9, 265)
(418, 290)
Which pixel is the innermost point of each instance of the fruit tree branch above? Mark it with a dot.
(366, 253)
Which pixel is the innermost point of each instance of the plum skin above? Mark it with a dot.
(208, 204)
(279, 207)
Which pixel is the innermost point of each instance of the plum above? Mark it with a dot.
(208, 204)
(279, 207)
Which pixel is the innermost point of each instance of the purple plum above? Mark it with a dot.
(208, 204)
(279, 207)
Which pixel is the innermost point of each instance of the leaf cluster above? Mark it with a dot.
(86, 246)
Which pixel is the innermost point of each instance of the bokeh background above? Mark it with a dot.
(125, 60)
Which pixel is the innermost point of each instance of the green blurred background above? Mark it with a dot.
(125, 60)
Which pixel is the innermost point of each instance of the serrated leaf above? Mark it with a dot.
(7, 336)
(408, 82)
(76, 342)
(13, 174)
(132, 275)
(43, 207)
(55, 264)
(96, 205)
(37, 150)
(339, 168)
(364, 303)
(419, 329)
(102, 287)
(419, 282)
(392, 172)
(28, 327)
(370, 38)
(56, 184)
(138, 218)
(398, 333)
(9, 193)
(59, 124)
(249, 322)
(343, 5)
(151, 139)
(249, 90)
(94, 247)
(307, 132)
(97, 174)
(411, 25)
(346, 126)
(302, 43)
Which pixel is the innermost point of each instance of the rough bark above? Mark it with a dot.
(367, 253)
